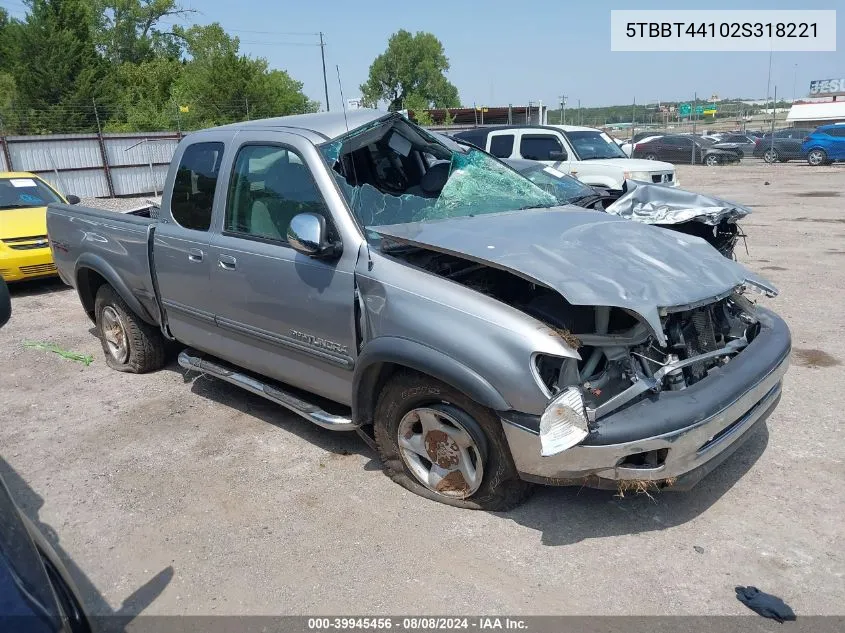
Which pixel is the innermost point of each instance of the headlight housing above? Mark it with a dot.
(563, 423)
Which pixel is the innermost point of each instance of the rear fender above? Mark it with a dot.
(95, 263)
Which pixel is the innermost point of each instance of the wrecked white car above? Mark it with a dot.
(374, 278)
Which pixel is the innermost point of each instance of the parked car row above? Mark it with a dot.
(822, 146)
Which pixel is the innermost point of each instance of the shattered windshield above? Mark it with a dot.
(592, 144)
(565, 188)
(394, 172)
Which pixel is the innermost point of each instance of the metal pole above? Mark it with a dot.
(103, 154)
(794, 77)
(693, 115)
(246, 103)
(634, 118)
(580, 120)
(774, 102)
(325, 81)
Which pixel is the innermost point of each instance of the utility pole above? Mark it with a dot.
(794, 77)
(562, 109)
(246, 104)
(634, 118)
(580, 122)
(774, 103)
(325, 81)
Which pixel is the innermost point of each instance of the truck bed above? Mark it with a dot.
(90, 245)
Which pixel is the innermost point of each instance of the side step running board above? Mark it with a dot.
(307, 410)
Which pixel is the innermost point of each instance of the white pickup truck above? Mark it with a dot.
(586, 153)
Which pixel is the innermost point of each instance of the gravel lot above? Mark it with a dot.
(180, 495)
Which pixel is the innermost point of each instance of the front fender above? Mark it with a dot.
(97, 264)
(419, 357)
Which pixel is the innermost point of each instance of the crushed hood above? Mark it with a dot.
(590, 257)
(655, 204)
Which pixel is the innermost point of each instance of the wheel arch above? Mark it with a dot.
(384, 356)
(92, 271)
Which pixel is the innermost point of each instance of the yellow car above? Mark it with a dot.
(24, 247)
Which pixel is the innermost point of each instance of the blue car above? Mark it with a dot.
(825, 145)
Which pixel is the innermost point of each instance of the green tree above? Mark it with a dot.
(140, 97)
(127, 30)
(411, 71)
(55, 65)
(220, 85)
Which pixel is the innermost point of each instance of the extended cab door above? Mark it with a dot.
(281, 313)
(181, 258)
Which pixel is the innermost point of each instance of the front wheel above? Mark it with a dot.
(129, 343)
(771, 156)
(817, 157)
(440, 444)
(711, 161)
(650, 156)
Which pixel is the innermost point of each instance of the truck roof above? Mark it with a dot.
(326, 125)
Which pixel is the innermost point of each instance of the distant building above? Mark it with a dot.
(815, 114)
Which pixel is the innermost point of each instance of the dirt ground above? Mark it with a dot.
(171, 495)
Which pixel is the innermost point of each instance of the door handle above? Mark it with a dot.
(227, 262)
(195, 255)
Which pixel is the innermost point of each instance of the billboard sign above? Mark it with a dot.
(827, 87)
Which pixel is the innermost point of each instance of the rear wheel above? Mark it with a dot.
(771, 155)
(129, 343)
(440, 444)
(711, 160)
(650, 156)
(817, 157)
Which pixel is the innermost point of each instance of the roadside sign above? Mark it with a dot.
(684, 109)
(699, 109)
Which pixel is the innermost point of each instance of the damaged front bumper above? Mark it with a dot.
(672, 438)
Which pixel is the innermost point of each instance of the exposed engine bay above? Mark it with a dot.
(621, 360)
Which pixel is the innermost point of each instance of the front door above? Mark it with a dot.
(281, 313)
(181, 257)
(545, 147)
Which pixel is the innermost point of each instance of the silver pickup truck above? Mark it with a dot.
(370, 276)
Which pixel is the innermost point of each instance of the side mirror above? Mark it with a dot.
(308, 234)
(72, 199)
(5, 303)
(561, 155)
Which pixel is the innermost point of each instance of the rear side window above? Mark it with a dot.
(501, 146)
(538, 146)
(195, 184)
(838, 132)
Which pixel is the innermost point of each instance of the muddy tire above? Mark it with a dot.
(442, 445)
(129, 344)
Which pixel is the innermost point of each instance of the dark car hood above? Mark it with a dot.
(718, 150)
(591, 258)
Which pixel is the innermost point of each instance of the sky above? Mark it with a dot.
(513, 52)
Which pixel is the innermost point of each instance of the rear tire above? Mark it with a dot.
(771, 156)
(465, 433)
(129, 343)
(650, 156)
(817, 157)
(712, 160)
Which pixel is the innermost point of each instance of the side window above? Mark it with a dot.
(501, 146)
(783, 134)
(538, 146)
(194, 186)
(269, 185)
(839, 132)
